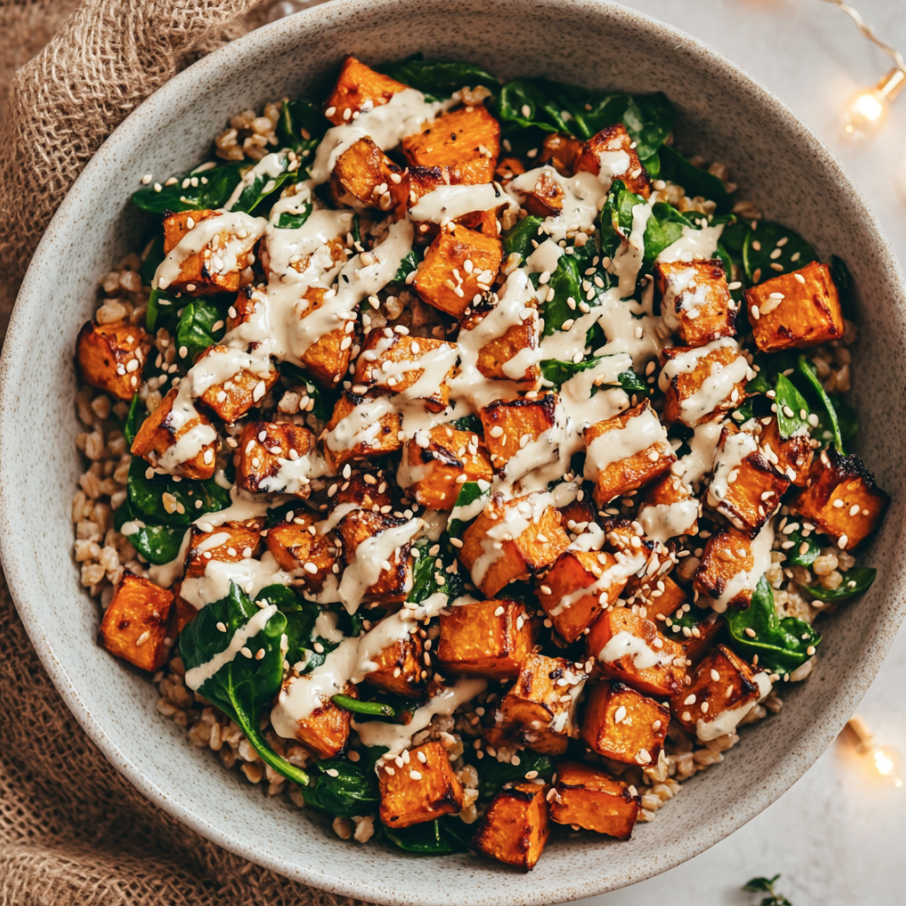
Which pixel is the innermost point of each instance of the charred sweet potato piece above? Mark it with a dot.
(422, 789)
(745, 487)
(539, 709)
(199, 273)
(399, 668)
(327, 359)
(364, 175)
(392, 584)
(434, 472)
(664, 600)
(274, 458)
(545, 199)
(423, 180)
(326, 730)
(699, 639)
(245, 387)
(695, 301)
(111, 357)
(491, 638)
(296, 547)
(577, 588)
(633, 650)
(842, 499)
(593, 800)
(611, 152)
(367, 490)
(469, 133)
(510, 425)
(360, 427)
(358, 88)
(511, 540)
(724, 689)
(415, 367)
(516, 826)
(446, 257)
(791, 457)
(158, 440)
(625, 452)
(562, 152)
(135, 624)
(185, 612)
(499, 358)
(727, 574)
(670, 509)
(623, 724)
(225, 544)
(797, 310)
(701, 381)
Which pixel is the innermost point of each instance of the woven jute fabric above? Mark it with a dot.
(72, 830)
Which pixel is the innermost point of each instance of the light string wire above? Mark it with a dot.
(868, 32)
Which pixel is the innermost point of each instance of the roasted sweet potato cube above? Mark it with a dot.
(625, 452)
(491, 638)
(508, 167)
(296, 547)
(539, 709)
(358, 89)
(135, 624)
(665, 599)
(699, 639)
(745, 487)
(512, 539)
(508, 422)
(198, 271)
(184, 612)
(250, 304)
(499, 358)
(562, 152)
(727, 574)
(577, 588)
(695, 301)
(469, 133)
(791, 457)
(593, 800)
(423, 180)
(670, 509)
(611, 152)
(111, 357)
(724, 689)
(274, 458)
(158, 439)
(797, 310)
(225, 544)
(423, 789)
(448, 254)
(632, 649)
(623, 724)
(546, 197)
(414, 367)
(327, 359)
(392, 584)
(842, 499)
(435, 472)
(578, 517)
(701, 381)
(366, 489)
(516, 826)
(325, 731)
(247, 385)
(361, 427)
(399, 669)
(364, 175)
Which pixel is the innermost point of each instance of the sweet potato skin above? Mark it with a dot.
(516, 826)
(399, 668)
(615, 140)
(561, 152)
(385, 438)
(592, 799)
(261, 447)
(111, 357)
(726, 553)
(358, 86)
(694, 296)
(135, 624)
(791, 457)
(507, 421)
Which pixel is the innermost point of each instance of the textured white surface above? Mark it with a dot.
(836, 837)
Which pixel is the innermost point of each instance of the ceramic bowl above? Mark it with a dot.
(723, 115)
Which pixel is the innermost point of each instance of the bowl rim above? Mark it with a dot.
(788, 770)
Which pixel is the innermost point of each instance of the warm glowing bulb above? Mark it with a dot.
(866, 112)
(885, 762)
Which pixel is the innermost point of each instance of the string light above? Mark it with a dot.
(884, 761)
(866, 111)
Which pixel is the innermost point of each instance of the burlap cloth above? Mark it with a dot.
(72, 830)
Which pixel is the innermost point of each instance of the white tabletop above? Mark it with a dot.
(835, 836)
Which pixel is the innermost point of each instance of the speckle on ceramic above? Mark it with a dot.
(722, 115)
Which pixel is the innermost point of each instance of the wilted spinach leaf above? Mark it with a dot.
(792, 409)
(469, 495)
(797, 555)
(290, 221)
(695, 181)
(438, 79)
(493, 774)
(202, 324)
(518, 238)
(433, 838)
(215, 186)
(145, 496)
(468, 423)
(766, 236)
(353, 791)
(158, 544)
(855, 582)
(301, 127)
(810, 373)
(153, 255)
(134, 419)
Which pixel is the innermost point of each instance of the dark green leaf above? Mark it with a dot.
(781, 644)
(408, 265)
(151, 259)
(301, 127)
(616, 217)
(493, 774)
(353, 791)
(466, 503)
(664, 227)
(798, 555)
(196, 330)
(428, 578)
(136, 415)
(566, 283)
(145, 496)
(290, 221)
(323, 405)
(842, 277)
(161, 312)
(759, 261)
(695, 181)
(260, 185)
(243, 687)
(468, 423)
(810, 373)
(215, 186)
(433, 838)
(733, 239)
(437, 79)
(855, 582)
(790, 400)
(652, 166)
(158, 544)
(519, 238)
(557, 372)
(761, 885)
(357, 706)
(648, 118)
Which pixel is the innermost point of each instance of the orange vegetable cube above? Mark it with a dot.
(593, 800)
(561, 151)
(392, 584)
(727, 574)
(797, 310)
(423, 180)
(224, 544)
(469, 133)
(516, 826)
(695, 300)
(365, 488)
(664, 600)
(506, 422)
(670, 509)
(326, 730)
(496, 355)
(246, 387)
(364, 175)
(111, 357)
(423, 789)
(360, 427)
(273, 458)
(295, 547)
(135, 624)
(612, 152)
(327, 359)
(791, 457)
(545, 199)
(399, 669)
(358, 88)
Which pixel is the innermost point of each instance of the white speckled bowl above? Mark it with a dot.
(724, 116)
